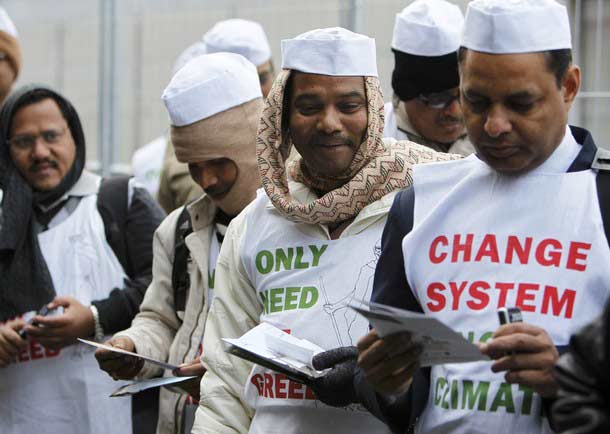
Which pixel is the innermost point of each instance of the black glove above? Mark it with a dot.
(336, 387)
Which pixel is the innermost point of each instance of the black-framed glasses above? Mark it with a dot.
(28, 141)
(440, 100)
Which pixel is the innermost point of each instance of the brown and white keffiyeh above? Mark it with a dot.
(375, 171)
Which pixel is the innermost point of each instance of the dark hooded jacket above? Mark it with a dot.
(25, 282)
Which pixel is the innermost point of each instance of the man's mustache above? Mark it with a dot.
(216, 191)
(332, 139)
(448, 119)
(36, 164)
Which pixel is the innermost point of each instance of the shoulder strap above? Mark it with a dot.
(180, 276)
(112, 204)
(603, 195)
(601, 163)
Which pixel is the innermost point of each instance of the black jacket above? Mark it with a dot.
(583, 373)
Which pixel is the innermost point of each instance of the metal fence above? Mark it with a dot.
(113, 58)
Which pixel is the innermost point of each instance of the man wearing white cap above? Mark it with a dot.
(231, 36)
(303, 250)
(10, 54)
(214, 103)
(246, 38)
(425, 107)
(523, 223)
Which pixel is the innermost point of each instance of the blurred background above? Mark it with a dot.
(113, 58)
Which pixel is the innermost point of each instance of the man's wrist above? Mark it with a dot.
(98, 331)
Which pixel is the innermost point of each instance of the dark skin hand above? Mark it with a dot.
(10, 341)
(389, 363)
(191, 386)
(527, 354)
(119, 366)
(58, 331)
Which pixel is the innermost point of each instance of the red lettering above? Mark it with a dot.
(575, 255)
(514, 247)
(268, 386)
(434, 257)
(465, 248)
(524, 295)
(48, 353)
(24, 355)
(477, 292)
(280, 386)
(257, 380)
(548, 258)
(489, 248)
(295, 390)
(456, 292)
(434, 294)
(35, 350)
(309, 393)
(503, 287)
(551, 297)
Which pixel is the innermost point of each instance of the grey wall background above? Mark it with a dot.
(62, 43)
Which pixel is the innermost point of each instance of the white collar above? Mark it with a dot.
(562, 157)
(87, 184)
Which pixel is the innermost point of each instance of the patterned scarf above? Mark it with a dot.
(375, 171)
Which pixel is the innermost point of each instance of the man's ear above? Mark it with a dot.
(570, 85)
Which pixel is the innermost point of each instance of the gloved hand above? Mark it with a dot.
(336, 387)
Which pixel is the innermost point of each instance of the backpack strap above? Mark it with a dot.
(112, 204)
(180, 276)
(602, 164)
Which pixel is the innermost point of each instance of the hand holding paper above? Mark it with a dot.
(272, 348)
(389, 363)
(118, 365)
(195, 370)
(440, 343)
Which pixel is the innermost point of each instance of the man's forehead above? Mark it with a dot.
(477, 67)
(45, 109)
(315, 84)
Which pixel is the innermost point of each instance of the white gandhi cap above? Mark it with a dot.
(210, 84)
(430, 28)
(331, 51)
(516, 26)
(241, 37)
(6, 24)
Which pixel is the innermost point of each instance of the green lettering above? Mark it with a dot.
(265, 298)
(454, 394)
(275, 299)
(298, 263)
(281, 258)
(309, 297)
(268, 259)
(440, 383)
(470, 337)
(291, 297)
(504, 398)
(487, 336)
(444, 403)
(317, 253)
(528, 394)
(478, 396)
(211, 278)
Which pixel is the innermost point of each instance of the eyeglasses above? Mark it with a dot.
(440, 100)
(25, 142)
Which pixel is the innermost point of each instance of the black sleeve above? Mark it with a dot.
(390, 287)
(584, 381)
(144, 215)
